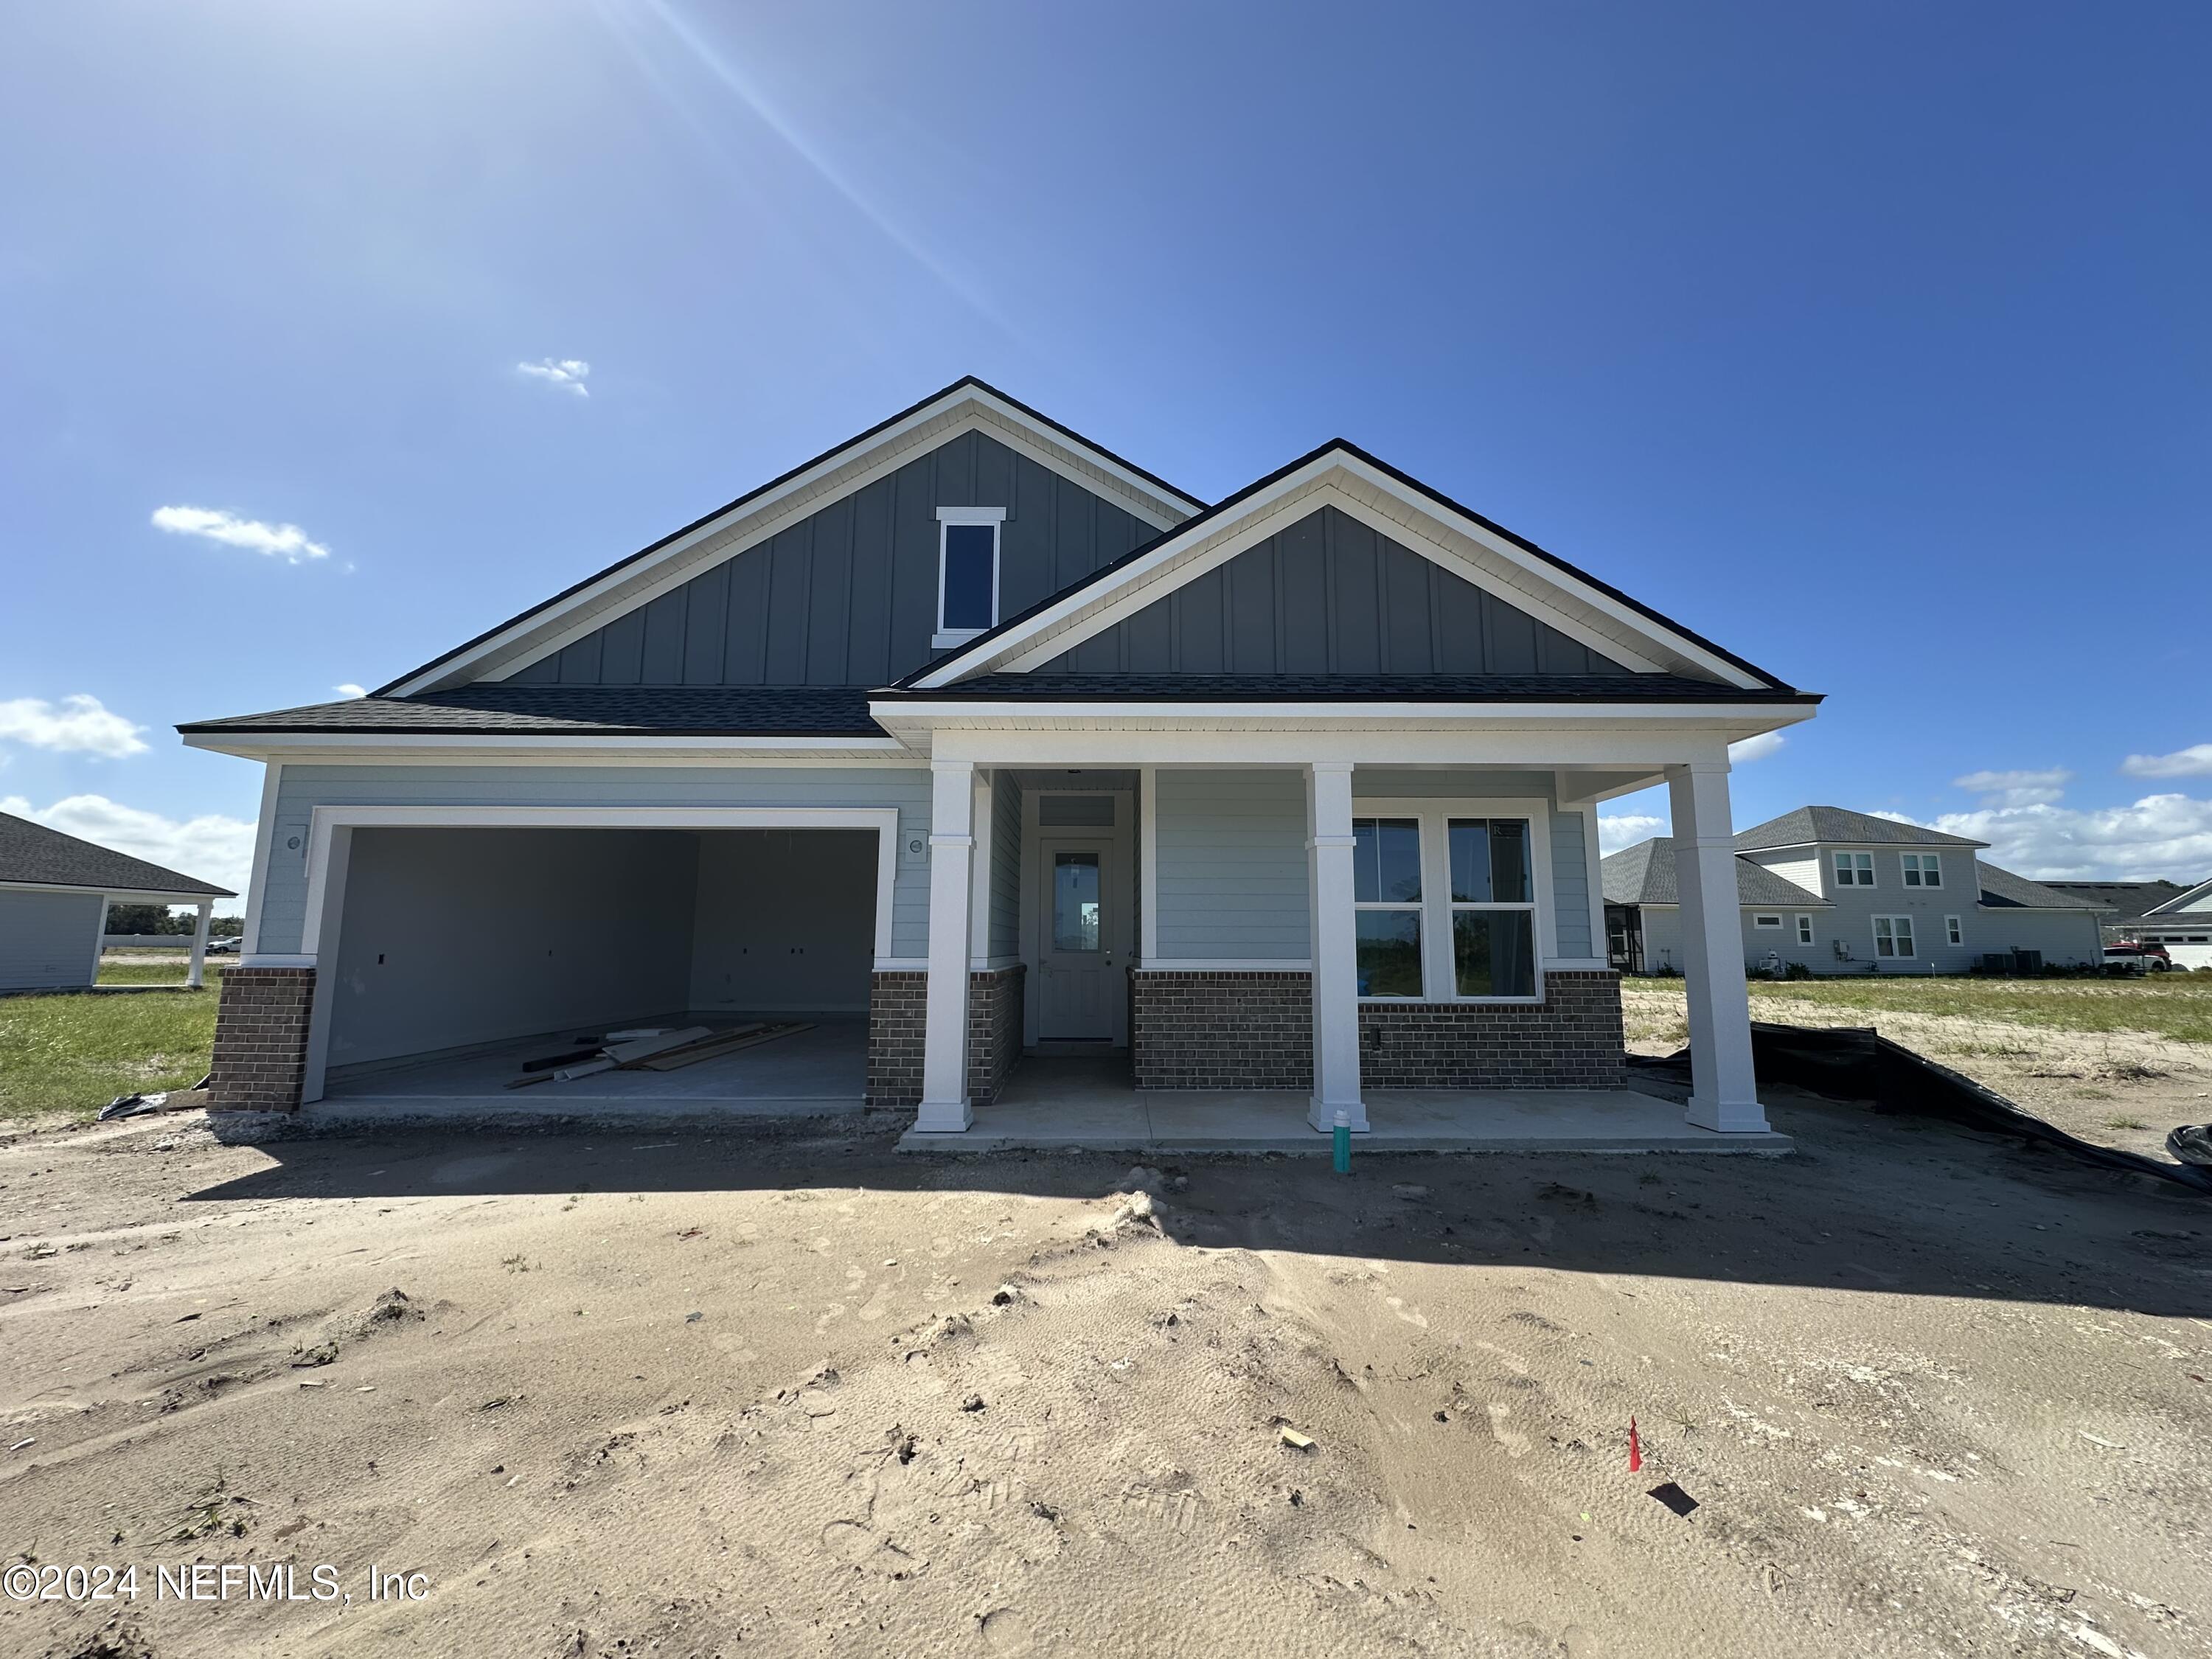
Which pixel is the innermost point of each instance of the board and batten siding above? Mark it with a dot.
(1232, 857)
(1329, 595)
(1006, 938)
(848, 596)
(48, 939)
(304, 787)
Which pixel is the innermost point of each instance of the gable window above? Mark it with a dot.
(1445, 906)
(1854, 869)
(1804, 930)
(1763, 919)
(1923, 870)
(1953, 931)
(967, 572)
(1892, 936)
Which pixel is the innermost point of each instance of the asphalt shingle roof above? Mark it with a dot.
(2124, 900)
(583, 710)
(2007, 890)
(31, 851)
(1808, 824)
(1644, 874)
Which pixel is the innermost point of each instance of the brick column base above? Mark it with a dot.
(898, 1021)
(260, 1060)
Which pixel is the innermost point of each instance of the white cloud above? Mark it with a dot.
(1618, 830)
(76, 725)
(1758, 748)
(2016, 788)
(348, 688)
(2159, 835)
(286, 541)
(2194, 762)
(214, 847)
(568, 374)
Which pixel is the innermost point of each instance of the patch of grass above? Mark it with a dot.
(75, 1053)
(2176, 1007)
(140, 971)
(2125, 1123)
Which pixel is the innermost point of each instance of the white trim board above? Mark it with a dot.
(127, 895)
(330, 848)
(1338, 478)
(747, 522)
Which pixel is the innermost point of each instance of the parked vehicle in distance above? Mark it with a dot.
(2151, 958)
(224, 947)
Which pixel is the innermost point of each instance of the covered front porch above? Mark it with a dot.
(1278, 975)
(1092, 1104)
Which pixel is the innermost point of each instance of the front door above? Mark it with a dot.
(1081, 953)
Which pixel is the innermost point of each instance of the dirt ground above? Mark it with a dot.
(2123, 1088)
(675, 1395)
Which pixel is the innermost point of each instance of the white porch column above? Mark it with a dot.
(200, 944)
(951, 845)
(1723, 1092)
(1335, 967)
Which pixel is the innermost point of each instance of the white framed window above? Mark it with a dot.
(1764, 919)
(1444, 897)
(1854, 869)
(967, 572)
(1922, 869)
(1804, 930)
(1892, 936)
(1955, 930)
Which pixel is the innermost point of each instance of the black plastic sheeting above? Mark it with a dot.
(1858, 1063)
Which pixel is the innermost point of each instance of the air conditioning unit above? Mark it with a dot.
(1996, 962)
(2027, 962)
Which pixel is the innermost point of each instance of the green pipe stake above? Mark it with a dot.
(1342, 1136)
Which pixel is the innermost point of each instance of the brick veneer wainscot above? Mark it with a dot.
(260, 1062)
(898, 1024)
(1255, 1030)
(1222, 1030)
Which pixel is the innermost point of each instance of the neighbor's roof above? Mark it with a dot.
(1346, 687)
(500, 707)
(1644, 874)
(2125, 900)
(2175, 906)
(2005, 890)
(1809, 825)
(32, 852)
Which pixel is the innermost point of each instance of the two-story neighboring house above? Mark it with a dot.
(1844, 892)
(975, 747)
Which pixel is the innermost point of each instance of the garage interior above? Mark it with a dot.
(462, 953)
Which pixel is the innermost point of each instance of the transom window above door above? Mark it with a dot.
(967, 572)
(1444, 906)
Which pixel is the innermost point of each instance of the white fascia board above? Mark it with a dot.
(1339, 480)
(1626, 749)
(954, 712)
(431, 748)
(2172, 907)
(127, 895)
(746, 525)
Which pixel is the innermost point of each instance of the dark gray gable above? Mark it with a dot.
(1330, 596)
(849, 595)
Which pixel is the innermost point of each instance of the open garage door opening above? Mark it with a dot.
(468, 959)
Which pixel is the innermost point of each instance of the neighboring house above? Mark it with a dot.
(2183, 925)
(1841, 892)
(981, 739)
(2121, 904)
(54, 894)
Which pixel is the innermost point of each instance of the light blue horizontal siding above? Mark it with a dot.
(48, 939)
(303, 788)
(1570, 909)
(1232, 865)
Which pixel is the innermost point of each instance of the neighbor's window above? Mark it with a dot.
(1804, 930)
(1386, 893)
(1892, 936)
(1953, 931)
(967, 572)
(1854, 869)
(1493, 905)
(1923, 870)
(1758, 920)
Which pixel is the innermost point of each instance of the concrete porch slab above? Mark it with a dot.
(1082, 1105)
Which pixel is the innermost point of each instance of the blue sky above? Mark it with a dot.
(1869, 341)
